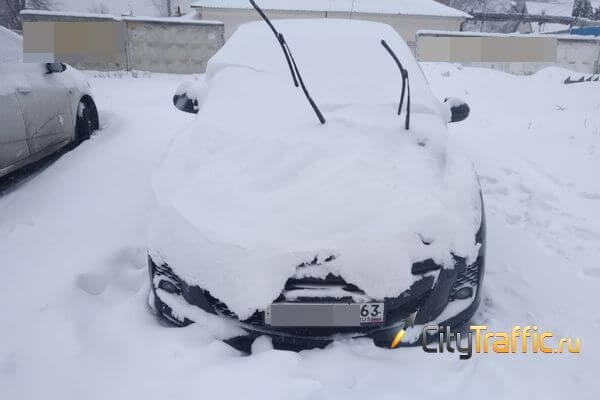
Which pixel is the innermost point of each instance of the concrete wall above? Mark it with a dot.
(518, 54)
(182, 47)
(405, 25)
(105, 43)
(579, 55)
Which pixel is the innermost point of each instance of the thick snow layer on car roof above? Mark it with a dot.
(11, 46)
(341, 61)
(256, 185)
(411, 7)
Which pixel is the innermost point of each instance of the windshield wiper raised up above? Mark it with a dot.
(297, 78)
(405, 84)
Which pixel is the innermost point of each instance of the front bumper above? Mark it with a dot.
(382, 337)
(431, 300)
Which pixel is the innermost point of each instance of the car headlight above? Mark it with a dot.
(171, 283)
(169, 286)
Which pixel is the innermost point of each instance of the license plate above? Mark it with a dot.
(324, 315)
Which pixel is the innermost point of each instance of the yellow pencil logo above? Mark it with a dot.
(408, 323)
(398, 338)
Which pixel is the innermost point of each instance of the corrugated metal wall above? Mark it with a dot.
(172, 47)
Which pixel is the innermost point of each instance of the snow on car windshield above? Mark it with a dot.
(341, 61)
(256, 186)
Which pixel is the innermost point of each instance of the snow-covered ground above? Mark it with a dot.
(74, 322)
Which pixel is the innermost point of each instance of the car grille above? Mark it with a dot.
(294, 284)
(221, 308)
(397, 308)
(310, 289)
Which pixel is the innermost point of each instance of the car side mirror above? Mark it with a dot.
(459, 109)
(52, 68)
(184, 103)
(190, 96)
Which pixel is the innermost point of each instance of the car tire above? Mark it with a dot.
(84, 127)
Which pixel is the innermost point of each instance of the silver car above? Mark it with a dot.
(43, 108)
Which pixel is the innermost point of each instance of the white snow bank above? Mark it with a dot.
(11, 46)
(256, 185)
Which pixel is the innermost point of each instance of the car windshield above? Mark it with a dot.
(296, 76)
(325, 49)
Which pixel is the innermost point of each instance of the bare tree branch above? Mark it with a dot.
(14, 7)
(164, 7)
(98, 8)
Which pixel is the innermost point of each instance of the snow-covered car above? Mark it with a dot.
(43, 107)
(308, 221)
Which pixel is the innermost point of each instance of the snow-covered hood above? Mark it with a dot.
(256, 186)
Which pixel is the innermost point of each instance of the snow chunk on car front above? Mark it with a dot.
(256, 186)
